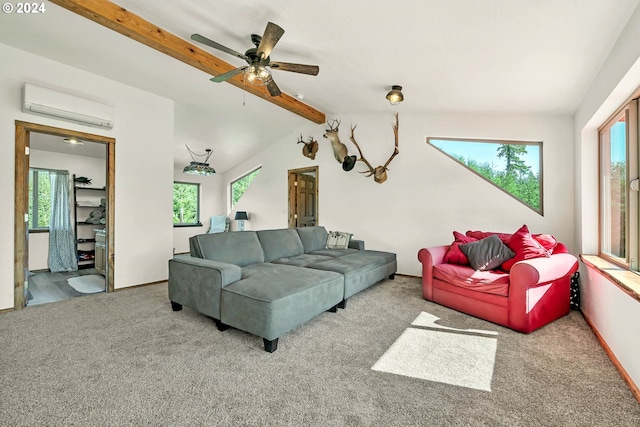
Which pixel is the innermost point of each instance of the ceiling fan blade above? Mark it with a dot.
(296, 68)
(271, 36)
(273, 88)
(227, 75)
(211, 43)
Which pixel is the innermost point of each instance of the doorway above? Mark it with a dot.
(303, 197)
(21, 226)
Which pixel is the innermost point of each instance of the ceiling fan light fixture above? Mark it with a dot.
(395, 96)
(199, 168)
(257, 75)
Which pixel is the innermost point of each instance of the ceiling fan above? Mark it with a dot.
(258, 71)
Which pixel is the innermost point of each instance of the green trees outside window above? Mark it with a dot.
(186, 203)
(39, 199)
(240, 185)
(514, 167)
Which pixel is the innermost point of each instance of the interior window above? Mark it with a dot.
(240, 185)
(619, 185)
(186, 204)
(514, 167)
(39, 199)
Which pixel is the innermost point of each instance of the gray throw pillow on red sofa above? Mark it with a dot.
(487, 253)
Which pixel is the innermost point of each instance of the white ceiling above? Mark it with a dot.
(490, 56)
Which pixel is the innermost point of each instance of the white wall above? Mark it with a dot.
(90, 167)
(614, 314)
(211, 203)
(427, 196)
(143, 130)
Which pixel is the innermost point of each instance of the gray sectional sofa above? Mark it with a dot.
(269, 282)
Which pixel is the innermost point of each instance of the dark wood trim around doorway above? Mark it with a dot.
(21, 242)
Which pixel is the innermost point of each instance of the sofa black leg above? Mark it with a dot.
(392, 276)
(175, 306)
(342, 304)
(333, 309)
(270, 345)
(221, 326)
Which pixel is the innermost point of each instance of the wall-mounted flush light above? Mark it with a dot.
(395, 96)
(73, 141)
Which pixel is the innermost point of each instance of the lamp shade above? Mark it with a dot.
(241, 216)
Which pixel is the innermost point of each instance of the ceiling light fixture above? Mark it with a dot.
(395, 96)
(257, 75)
(199, 168)
(73, 141)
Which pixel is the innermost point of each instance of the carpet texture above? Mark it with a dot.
(126, 359)
(89, 284)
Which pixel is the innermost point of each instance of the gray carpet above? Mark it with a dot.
(127, 359)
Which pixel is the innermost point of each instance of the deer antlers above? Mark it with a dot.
(310, 148)
(379, 173)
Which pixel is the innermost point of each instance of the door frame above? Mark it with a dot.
(21, 206)
(292, 191)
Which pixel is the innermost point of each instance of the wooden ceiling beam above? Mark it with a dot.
(131, 25)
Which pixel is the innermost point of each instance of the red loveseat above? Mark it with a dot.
(532, 293)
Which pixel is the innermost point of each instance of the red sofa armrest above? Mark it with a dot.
(430, 257)
(539, 290)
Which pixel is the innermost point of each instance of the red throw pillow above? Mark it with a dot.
(547, 241)
(525, 247)
(454, 255)
(479, 235)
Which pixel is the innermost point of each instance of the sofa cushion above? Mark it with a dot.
(302, 260)
(313, 238)
(240, 247)
(454, 255)
(525, 247)
(360, 269)
(280, 243)
(272, 299)
(547, 241)
(487, 253)
(491, 281)
(335, 253)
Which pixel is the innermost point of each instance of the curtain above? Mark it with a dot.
(62, 241)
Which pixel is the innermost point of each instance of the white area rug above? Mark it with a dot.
(447, 355)
(89, 284)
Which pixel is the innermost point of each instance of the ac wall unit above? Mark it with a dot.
(64, 106)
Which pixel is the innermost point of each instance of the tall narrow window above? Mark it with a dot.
(514, 167)
(39, 199)
(619, 187)
(240, 185)
(186, 204)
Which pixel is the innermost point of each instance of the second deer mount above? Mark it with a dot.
(341, 154)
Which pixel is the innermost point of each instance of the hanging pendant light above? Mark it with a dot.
(199, 168)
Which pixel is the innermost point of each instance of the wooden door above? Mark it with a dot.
(305, 200)
(303, 197)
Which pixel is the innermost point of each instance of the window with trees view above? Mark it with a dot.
(39, 199)
(619, 187)
(514, 167)
(186, 204)
(240, 185)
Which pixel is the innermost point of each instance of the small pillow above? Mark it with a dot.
(338, 240)
(525, 247)
(454, 255)
(487, 253)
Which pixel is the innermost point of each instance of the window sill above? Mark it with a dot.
(626, 280)
(187, 225)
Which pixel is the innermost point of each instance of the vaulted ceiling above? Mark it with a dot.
(488, 56)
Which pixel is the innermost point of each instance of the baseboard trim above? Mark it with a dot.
(7, 310)
(632, 386)
(140, 285)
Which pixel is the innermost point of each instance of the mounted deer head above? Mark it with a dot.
(309, 149)
(379, 173)
(340, 151)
